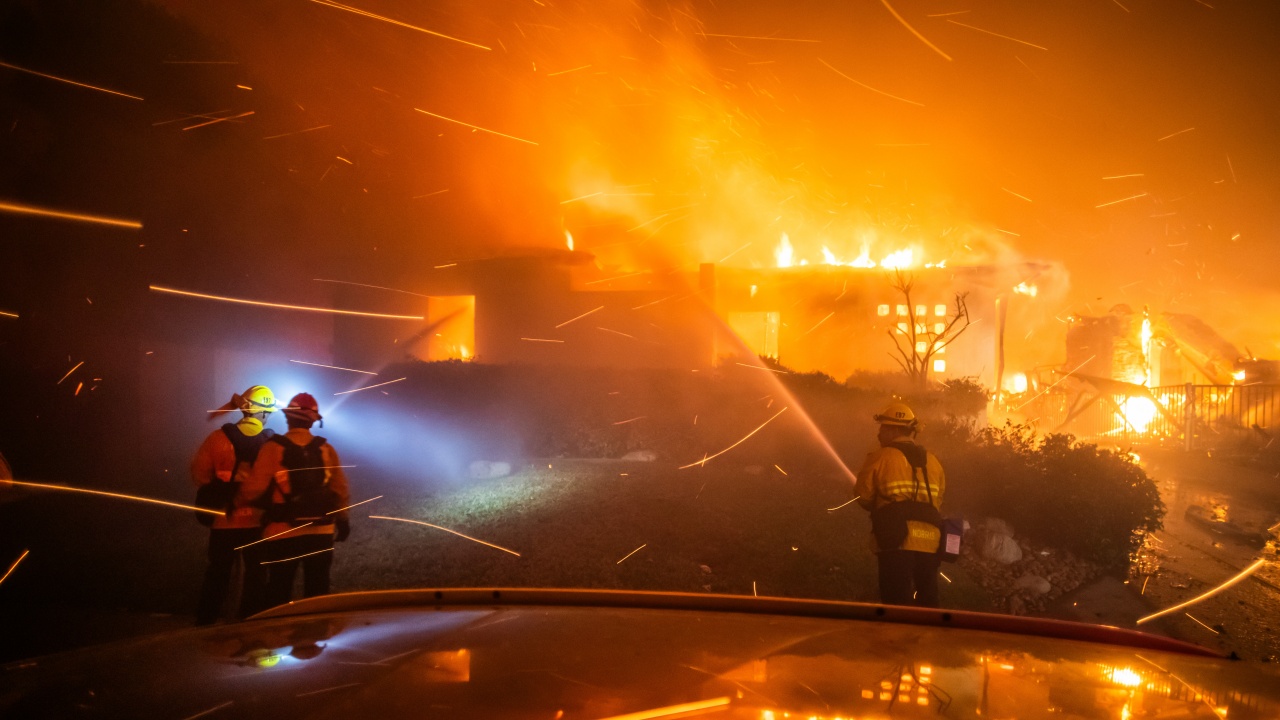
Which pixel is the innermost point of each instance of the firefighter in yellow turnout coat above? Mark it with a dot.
(901, 484)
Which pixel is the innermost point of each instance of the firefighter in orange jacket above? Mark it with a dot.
(221, 463)
(901, 483)
(299, 483)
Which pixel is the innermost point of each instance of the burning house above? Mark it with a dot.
(562, 308)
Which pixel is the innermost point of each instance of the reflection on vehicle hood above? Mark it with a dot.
(549, 654)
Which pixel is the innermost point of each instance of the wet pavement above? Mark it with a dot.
(1221, 519)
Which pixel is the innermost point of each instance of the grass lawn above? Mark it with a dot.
(714, 529)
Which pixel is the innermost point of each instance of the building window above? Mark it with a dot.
(455, 338)
(921, 311)
(939, 366)
(939, 327)
(902, 328)
(940, 310)
(920, 347)
(939, 348)
(902, 311)
(921, 329)
(883, 311)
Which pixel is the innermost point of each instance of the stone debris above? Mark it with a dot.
(1028, 584)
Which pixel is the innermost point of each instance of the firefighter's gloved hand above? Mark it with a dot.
(343, 527)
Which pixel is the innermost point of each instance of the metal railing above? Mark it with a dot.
(1214, 414)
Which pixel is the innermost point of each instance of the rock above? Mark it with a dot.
(1034, 584)
(1017, 606)
(641, 456)
(1001, 548)
(996, 526)
(486, 470)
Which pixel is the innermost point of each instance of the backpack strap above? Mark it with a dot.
(918, 457)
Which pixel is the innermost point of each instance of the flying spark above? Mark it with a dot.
(20, 209)
(566, 322)
(1006, 37)
(868, 87)
(1166, 137)
(25, 553)
(815, 327)
(218, 120)
(616, 332)
(1116, 202)
(282, 306)
(620, 277)
(69, 82)
(473, 127)
(562, 72)
(757, 37)
(298, 557)
(8, 314)
(298, 132)
(624, 422)
(784, 472)
(1201, 623)
(1118, 177)
(842, 504)
(705, 460)
(547, 340)
(272, 537)
(453, 532)
(1208, 593)
(670, 710)
(328, 689)
(375, 287)
(211, 710)
(761, 367)
(735, 252)
(64, 377)
(120, 496)
(354, 505)
(915, 32)
(333, 367)
(366, 13)
(370, 387)
(584, 197)
(1020, 197)
(633, 552)
(430, 194)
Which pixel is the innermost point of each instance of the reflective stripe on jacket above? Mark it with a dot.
(270, 465)
(215, 460)
(887, 477)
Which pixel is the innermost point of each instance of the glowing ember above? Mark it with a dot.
(20, 209)
(1138, 413)
(282, 306)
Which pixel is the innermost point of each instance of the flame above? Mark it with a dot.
(1024, 288)
(899, 259)
(568, 239)
(785, 253)
(1138, 412)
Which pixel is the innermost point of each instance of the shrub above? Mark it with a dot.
(1096, 503)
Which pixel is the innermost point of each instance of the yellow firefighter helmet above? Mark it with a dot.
(258, 399)
(896, 413)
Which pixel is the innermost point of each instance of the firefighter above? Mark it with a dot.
(299, 483)
(219, 466)
(901, 484)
